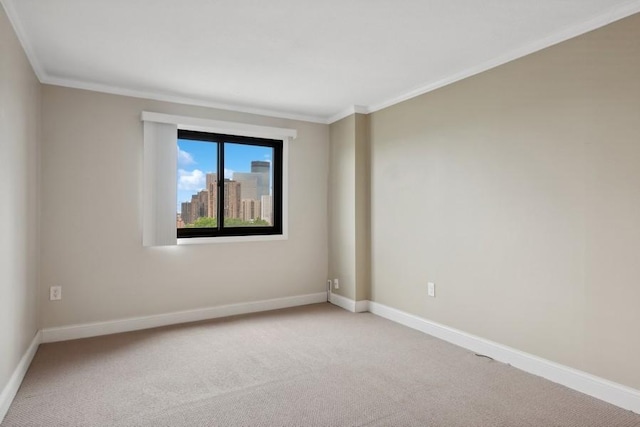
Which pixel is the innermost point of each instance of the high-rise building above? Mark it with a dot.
(212, 178)
(232, 197)
(250, 183)
(232, 206)
(250, 209)
(212, 187)
(266, 209)
(260, 166)
(185, 212)
(264, 169)
(204, 203)
(194, 208)
(199, 205)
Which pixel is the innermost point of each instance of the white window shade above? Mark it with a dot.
(160, 168)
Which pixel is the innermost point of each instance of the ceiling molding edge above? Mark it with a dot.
(22, 38)
(594, 23)
(45, 78)
(354, 109)
(179, 99)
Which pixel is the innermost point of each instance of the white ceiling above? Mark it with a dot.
(311, 60)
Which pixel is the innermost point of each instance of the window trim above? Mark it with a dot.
(218, 126)
(277, 162)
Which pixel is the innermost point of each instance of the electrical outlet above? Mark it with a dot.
(336, 284)
(431, 289)
(55, 293)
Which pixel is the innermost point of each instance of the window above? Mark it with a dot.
(228, 185)
(174, 172)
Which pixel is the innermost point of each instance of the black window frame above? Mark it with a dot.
(277, 186)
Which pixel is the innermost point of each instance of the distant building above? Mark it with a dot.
(250, 183)
(250, 209)
(212, 178)
(185, 212)
(179, 221)
(264, 184)
(232, 190)
(212, 187)
(232, 204)
(266, 209)
(204, 203)
(199, 205)
(260, 166)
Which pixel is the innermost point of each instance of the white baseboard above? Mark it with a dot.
(349, 304)
(342, 302)
(616, 394)
(10, 390)
(362, 306)
(87, 330)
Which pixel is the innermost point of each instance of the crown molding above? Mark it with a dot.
(22, 38)
(178, 99)
(596, 22)
(354, 109)
(592, 24)
(45, 78)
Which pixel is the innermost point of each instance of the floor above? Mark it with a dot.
(316, 365)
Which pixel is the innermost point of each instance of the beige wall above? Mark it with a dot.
(19, 146)
(91, 219)
(349, 249)
(517, 192)
(363, 207)
(342, 209)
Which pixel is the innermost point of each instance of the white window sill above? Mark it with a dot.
(231, 239)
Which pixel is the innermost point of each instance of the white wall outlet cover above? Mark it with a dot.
(431, 289)
(55, 293)
(336, 284)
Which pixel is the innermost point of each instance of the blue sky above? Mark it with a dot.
(196, 159)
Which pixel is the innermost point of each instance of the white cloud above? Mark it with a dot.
(185, 158)
(228, 173)
(194, 180)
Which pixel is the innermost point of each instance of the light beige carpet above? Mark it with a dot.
(309, 366)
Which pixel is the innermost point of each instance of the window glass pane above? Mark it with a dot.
(248, 185)
(197, 184)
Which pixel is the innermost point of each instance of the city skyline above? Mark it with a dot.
(197, 159)
(247, 184)
(257, 210)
